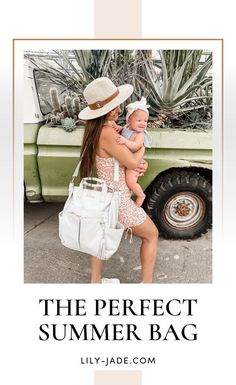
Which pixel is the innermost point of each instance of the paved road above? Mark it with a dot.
(47, 261)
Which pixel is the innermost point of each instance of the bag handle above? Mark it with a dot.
(115, 176)
(76, 172)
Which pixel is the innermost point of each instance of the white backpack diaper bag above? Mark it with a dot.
(89, 220)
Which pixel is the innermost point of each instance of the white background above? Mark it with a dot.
(26, 360)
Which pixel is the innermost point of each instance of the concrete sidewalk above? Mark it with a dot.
(47, 261)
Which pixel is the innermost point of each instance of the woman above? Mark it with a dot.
(99, 147)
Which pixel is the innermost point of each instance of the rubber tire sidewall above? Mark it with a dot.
(179, 183)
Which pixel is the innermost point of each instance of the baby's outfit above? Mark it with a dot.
(127, 132)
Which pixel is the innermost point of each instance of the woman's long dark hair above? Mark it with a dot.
(91, 137)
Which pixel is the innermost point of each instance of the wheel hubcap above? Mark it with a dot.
(184, 210)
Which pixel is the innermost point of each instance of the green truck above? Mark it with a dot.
(178, 183)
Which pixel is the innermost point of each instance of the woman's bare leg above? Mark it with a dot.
(96, 270)
(148, 232)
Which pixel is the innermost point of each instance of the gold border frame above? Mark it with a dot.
(118, 39)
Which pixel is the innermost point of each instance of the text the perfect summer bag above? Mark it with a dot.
(89, 220)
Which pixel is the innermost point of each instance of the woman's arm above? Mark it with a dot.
(108, 143)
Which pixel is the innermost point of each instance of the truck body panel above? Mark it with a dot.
(51, 155)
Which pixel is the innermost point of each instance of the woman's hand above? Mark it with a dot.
(142, 168)
(117, 128)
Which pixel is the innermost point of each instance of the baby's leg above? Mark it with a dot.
(131, 177)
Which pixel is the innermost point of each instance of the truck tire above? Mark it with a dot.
(180, 205)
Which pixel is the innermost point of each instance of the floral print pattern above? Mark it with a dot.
(130, 215)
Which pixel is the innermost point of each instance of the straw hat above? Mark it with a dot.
(102, 96)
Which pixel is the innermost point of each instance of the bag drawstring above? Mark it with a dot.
(129, 229)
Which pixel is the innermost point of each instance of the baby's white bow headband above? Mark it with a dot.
(139, 105)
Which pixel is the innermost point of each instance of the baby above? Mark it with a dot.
(134, 135)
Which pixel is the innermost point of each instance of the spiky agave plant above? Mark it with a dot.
(167, 92)
(73, 70)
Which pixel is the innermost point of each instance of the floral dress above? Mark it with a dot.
(130, 215)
